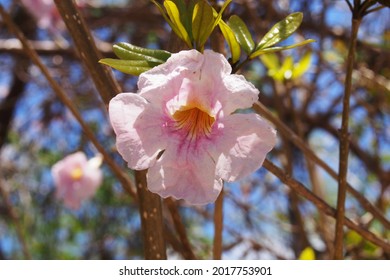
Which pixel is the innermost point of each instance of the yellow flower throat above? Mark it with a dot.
(194, 121)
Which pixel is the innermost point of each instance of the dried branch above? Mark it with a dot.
(287, 132)
(126, 183)
(218, 227)
(344, 144)
(180, 229)
(322, 205)
(148, 202)
(20, 232)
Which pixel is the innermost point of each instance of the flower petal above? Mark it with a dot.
(246, 140)
(185, 176)
(139, 129)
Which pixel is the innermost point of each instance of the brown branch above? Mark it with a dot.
(13, 46)
(218, 227)
(151, 220)
(322, 205)
(180, 229)
(344, 141)
(107, 87)
(287, 132)
(20, 232)
(126, 183)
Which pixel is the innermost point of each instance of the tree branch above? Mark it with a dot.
(108, 88)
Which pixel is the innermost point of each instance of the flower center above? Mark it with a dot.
(194, 121)
(76, 173)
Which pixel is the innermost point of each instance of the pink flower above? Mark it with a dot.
(182, 126)
(76, 178)
(46, 14)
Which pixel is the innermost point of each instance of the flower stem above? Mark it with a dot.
(344, 143)
(218, 227)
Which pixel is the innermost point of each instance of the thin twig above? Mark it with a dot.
(108, 87)
(344, 143)
(218, 227)
(287, 132)
(126, 182)
(180, 229)
(20, 232)
(322, 205)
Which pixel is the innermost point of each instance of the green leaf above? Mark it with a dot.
(242, 33)
(271, 61)
(307, 254)
(282, 48)
(202, 23)
(132, 67)
(286, 70)
(172, 16)
(281, 31)
(231, 40)
(130, 52)
(185, 11)
(204, 20)
(302, 66)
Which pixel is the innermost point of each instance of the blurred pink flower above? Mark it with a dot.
(76, 178)
(182, 126)
(46, 14)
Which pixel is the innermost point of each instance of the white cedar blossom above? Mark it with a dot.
(181, 126)
(76, 178)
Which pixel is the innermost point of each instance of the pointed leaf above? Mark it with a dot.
(202, 23)
(174, 15)
(185, 11)
(173, 25)
(285, 71)
(132, 67)
(281, 31)
(219, 16)
(242, 33)
(282, 48)
(271, 61)
(131, 52)
(231, 40)
(302, 66)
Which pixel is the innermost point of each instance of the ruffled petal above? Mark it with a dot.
(185, 176)
(242, 148)
(139, 127)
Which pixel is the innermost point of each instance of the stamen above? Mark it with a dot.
(76, 173)
(194, 121)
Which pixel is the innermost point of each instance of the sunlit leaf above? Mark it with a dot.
(231, 40)
(185, 11)
(132, 67)
(242, 33)
(302, 65)
(172, 17)
(285, 71)
(281, 30)
(281, 48)
(202, 23)
(271, 61)
(307, 254)
(130, 52)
